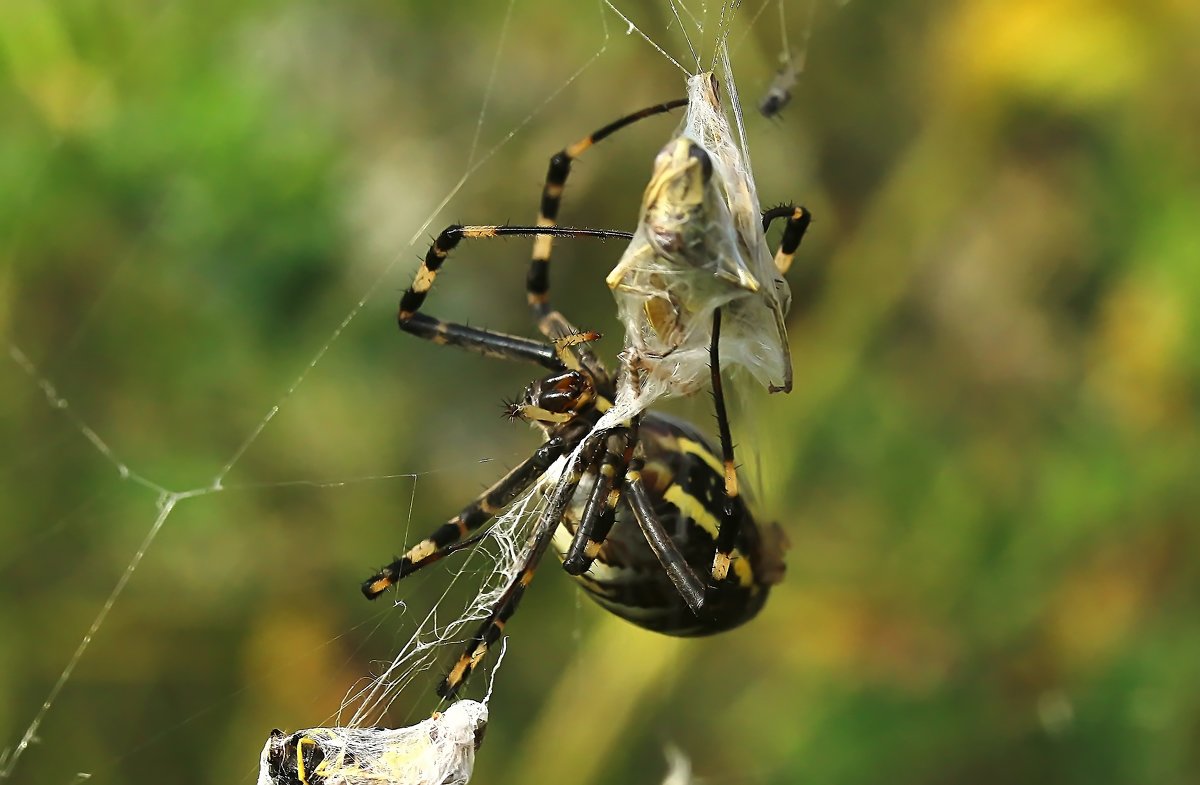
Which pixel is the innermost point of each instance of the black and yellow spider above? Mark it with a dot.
(639, 511)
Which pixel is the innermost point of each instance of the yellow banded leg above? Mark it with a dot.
(448, 537)
(798, 219)
(537, 283)
(730, 521)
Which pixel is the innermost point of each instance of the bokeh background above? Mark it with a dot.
(987, 470)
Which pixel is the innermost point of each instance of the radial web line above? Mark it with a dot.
(632, 28)
(166, 503)
(491, 83)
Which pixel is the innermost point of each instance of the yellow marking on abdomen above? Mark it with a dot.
(703, 453)
(691, 507)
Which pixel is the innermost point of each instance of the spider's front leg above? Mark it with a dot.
(798, 219)
(486, 342)
(537, 283)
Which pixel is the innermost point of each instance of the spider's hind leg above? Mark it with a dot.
(485, 342)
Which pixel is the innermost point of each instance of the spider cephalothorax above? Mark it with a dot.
(556, 399)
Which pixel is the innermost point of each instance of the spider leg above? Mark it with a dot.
(489, 343)
(798, 221)
(445, 540)
(687, 582)
(543, 534)
(730, 521)
(552, 323)
(600, 510)
(485, 342)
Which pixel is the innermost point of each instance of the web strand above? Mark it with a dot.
(61, 404)
(632, 28)
(166, 503)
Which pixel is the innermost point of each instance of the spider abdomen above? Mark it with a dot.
(685, 479)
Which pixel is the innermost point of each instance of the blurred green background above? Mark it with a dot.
(987, 470)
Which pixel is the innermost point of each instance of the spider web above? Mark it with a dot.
(135, 442)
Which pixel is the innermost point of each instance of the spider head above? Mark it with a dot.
(553, 400)
(674, 201)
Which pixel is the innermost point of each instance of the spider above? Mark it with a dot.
(637, 511)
